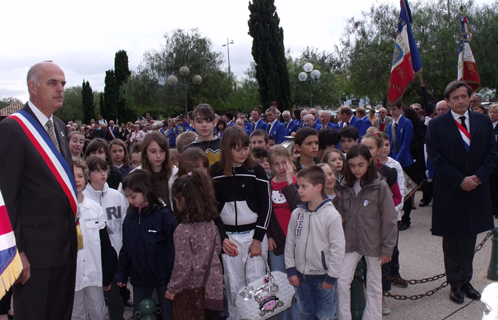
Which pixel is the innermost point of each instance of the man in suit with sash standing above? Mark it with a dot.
(37, 183)
(461, 146)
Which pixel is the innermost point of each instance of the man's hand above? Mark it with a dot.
(108, 288)
(169, 295)
(469, 183)
(294, 280)
(121, 285)
(26, 269)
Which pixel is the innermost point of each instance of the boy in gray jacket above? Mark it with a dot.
(314, 248)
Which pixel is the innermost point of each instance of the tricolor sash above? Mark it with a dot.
(112, 133)
(465, 135)
(53, 158)
(10, 262)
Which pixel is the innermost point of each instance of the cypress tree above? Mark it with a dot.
(269, 54)
(122, 73)
(87, 101)
(101, 103)
(111, 96)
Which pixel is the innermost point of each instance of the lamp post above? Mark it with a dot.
(184, 72)
(228, 52)
(309, 75)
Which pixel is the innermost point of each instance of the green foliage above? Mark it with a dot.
(269, 54)
(87, 102)
(367, 47)
(72, 108)
(121, 69)
(5, 102)
(147, 90)
(111, 96)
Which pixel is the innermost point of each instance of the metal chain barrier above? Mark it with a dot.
(425, 280)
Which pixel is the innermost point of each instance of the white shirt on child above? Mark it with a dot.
(89, 261)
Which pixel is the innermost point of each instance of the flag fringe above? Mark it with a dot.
(9, 276)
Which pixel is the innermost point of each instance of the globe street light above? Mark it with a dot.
(309, 75)
(184, 72)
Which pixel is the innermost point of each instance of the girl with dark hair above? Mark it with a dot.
(221, 125)
(242, 193)
(197, 246)
(120, 157)
(100, 148)
(154, 150)
(367, 209)
(148, 252)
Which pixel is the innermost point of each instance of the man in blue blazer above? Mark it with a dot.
(258, 123)
(290, 125)
(361, 113)
(345, 114)
(400, 132)
(325, 121)
(309, 121)
(461, 146)
(275, 128)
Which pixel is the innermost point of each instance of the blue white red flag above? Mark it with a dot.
(10, 262)
(406, 60)
(467, 69)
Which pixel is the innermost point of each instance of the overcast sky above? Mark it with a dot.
(83, 36)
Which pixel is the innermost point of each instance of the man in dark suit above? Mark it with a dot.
(39, 209)
(383, 120)
(347, 117)
(275, 128)
(461, 147)
(258, 123)
(289, 123)
(493, 180)
(115, 132)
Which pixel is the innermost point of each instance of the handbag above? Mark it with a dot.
(189, 303)
(266, 296)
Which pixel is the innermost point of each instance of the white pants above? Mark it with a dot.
(234, 268)
(89, 300)
(373, 292)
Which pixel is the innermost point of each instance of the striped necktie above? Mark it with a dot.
(51, 134)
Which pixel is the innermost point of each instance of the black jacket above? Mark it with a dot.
(148, 253)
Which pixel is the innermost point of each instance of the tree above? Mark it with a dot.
(87, 102)
(269, 53)
(101, 103)
(148, 91)
(367, 47)
(122, 73)
(5, 102)
(72, 108)
(111, 96)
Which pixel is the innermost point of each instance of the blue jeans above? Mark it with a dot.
(316, 302)
(166, 305)
(294, 312)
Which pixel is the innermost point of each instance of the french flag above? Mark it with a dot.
(10, 262)
(406, 60)
(467, 69)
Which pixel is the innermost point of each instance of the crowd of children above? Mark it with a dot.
(192, 228)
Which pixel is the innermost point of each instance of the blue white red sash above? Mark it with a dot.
(53, 158)
(465, 135)
(112, 133)
(10, 262)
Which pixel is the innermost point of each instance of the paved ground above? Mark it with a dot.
(421, 257)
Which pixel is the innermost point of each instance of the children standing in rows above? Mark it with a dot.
(330, 181)
(197, 247)
(367, 208)
(242, 193)
(306, 142)
(100, 148)
(76, 143)
(284, 199)
(314, 248)
(92, 276)
(119, 156)
(148, 252)
(349, 138)
(114, 205)
(135, 156)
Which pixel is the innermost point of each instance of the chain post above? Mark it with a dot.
(493, 263)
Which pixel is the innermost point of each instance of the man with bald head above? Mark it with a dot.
(37, 183)
(442, 107)
(383, 120)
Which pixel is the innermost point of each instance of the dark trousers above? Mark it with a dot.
(48, 293)
(212, 314)
(407, 209)
(427, 190)
(5, 303)
(493, 184)
(391, 269)
(458, 258)
(115, 305)
(166, 305)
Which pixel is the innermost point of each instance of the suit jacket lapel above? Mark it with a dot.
(474, 123)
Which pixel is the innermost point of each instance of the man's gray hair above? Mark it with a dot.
(286, 112)
(308, 116)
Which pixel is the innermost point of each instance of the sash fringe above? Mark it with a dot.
(9, 276)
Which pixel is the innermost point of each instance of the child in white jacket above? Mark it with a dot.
(315, 246)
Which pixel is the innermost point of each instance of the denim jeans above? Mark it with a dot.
(294, 312)
(316, 302)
